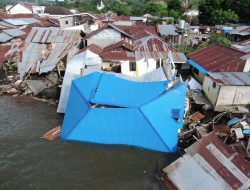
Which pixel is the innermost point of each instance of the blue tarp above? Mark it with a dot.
(197, 66)
(116, 91)
(148, 116)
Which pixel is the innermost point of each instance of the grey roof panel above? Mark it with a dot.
(14, 32)
(5, 37)
(231, 78)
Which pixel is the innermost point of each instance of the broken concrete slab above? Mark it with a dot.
(36, 86)
(53, 77)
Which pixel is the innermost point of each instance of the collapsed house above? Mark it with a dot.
(45, 48)
(209, 164)
(138, 114)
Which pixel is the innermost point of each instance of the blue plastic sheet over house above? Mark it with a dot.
(135, 113)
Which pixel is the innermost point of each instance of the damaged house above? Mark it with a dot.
(138, 114)
(209, 164)
(47, 48)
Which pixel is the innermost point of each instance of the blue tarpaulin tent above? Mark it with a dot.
(103, 108)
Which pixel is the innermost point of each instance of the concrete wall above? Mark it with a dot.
(226, 95)
(63, 21)
(234, 95)
(145, 66)
(200, 77)
(210, 91)
(105, 38)
(125, 69)
(19, 9)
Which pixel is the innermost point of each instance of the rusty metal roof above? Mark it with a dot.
(210, 164)
(231, 78)
(52, 35)
(219, 58)
(45, 47)
(154, 47)
(123, 45)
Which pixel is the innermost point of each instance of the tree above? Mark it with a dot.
(220, 11)
(156, 8)
(219, 39)
(174, 14)
(222, 17)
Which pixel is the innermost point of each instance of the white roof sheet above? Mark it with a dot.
(21, 21)
(5, 37)
(14, 32)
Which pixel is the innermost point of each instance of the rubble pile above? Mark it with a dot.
(42, 86)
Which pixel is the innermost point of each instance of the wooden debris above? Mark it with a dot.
(197, 116)
(52, 134)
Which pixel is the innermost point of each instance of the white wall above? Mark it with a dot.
(233, 95)
(105, 38)
(19, 9)
(63, 21)
(38, 9)
(125, 69)
(211, 92)
(247, 66)
(145, 66)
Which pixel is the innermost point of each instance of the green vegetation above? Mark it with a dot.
(211, 11)
(219, 39)
(224, 11)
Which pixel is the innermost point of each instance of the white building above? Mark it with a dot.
(227, 89)
(85, 61)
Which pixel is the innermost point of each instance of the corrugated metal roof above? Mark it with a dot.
(242, 30)
(14, 32)
(106, 27)
(154, 47)
(210, 164)
(52, 35)
(5, 37)
(219, 58)
(45, 47)
(166, 30)
(231, 79)
(136, 18)
(243, 46)
(21, 21)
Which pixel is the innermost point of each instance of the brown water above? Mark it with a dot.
(29, 162)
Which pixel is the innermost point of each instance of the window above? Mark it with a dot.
(196, 71)
(158, 62)
(66, 22)
(214, 85)
(132, 66)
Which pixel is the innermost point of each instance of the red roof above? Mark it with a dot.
(105, 27)
(219, 58)
(3, 51)
(118, 56)
(228, 174)
(8, 16)
(139, 31)
(94, 48)
(119, 46)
